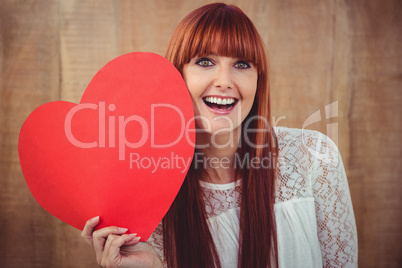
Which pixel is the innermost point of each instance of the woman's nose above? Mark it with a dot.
(223, 78)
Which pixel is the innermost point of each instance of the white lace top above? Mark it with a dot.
(313, 210)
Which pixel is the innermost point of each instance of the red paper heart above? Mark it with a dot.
(122, 153)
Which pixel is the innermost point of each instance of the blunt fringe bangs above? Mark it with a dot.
(224, 30)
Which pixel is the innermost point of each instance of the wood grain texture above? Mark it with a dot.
(300, 45)
(87, 42)
(341, 52)
(29, 78)
(375, 128)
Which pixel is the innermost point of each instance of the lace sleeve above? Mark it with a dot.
(335, 218)
(156, 241)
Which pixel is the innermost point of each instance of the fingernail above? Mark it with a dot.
(123, 229)
(95, 219)
(132, 236)
(137, 239)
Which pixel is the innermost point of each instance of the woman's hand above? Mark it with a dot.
(115, 248)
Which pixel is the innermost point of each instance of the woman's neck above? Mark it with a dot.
(216, 155)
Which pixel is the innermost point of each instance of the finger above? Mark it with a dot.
(127, 238)
(100, 236)
(89, 228)
(104, 260)
(112, 254)
(135, 239)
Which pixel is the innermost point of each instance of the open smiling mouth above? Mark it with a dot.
(222, 104)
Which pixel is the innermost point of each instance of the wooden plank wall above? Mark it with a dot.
(340, 52)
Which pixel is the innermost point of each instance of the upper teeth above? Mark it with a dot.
(220, 100)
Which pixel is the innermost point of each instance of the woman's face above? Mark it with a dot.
(222, 91)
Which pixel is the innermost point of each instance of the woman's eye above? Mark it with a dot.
(242, 65)
(204, 62)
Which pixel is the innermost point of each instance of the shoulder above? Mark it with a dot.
(302, 155)
(296, 136)
(306, 143)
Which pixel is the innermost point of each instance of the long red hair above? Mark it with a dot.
(225, 30)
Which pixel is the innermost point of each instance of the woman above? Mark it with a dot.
(254, 195)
